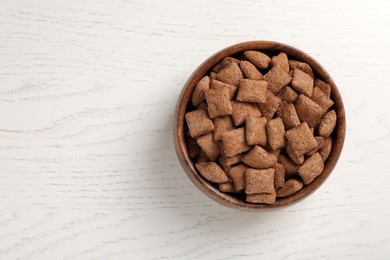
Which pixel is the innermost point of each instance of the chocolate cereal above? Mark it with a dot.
(260, 125)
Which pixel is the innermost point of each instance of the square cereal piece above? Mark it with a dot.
(209, 146)
(226, 187)
(294, 64)
(325, 87)
(320, 142)
(256, 130)
(290, 187)
(294, 155)
(288, 94)
(277, 79)
(231, 74)
(311, 168)
(233, 142)
(289, 115)
(218, 102)
(321, 98)
(212, 172)
(252, 91)
(326, 148)
(242, 110)
(301, 139)
(276, 134)
(198, 122)
(259, 158)
(250, 71)
(237, 173)
(265, 198)
(222, 124)
(327, 124)
(259, 181)
(258, 59)
(290, 168)
(281, 60)
(224, 63)
(269, 108)
(216, 84)
(201, 87)
(302, 82)
(308, 110)
(279, 175)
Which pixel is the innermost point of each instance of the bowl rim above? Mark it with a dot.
(338, 137)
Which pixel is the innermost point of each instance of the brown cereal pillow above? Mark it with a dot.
(224, 63)
(233, 142)
(256, 130)
(209, 146)
(289, 115)
(294, 64)
(265, 198)
(281, 61)
(231, 74)
(320, 143)
(294, 155)
(260, 138)
(201, 87)
(269, 108)
(237, 173)
(259, 181)
(212, 172)
(218, 102)
(301, 138)
(327, 124)
(290, 187)
(277, 79)
(216, 84)
(242, 110)
(259, 158)
(226, 187)
(252, 91)
(311, 168)
(279, 175)
(326, 149)
(198, 122)
(321, 98)
(288, 94)
(222, 124)
(302, 82)
(308, 111)
(323, 86)
(258, 58)
(276, 134)
(250, 71)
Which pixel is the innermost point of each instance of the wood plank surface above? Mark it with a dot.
(87, 164)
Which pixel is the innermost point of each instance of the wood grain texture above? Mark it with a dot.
(87, 164)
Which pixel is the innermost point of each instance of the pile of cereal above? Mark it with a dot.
(259, 127)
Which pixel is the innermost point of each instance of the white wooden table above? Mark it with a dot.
(87, 165)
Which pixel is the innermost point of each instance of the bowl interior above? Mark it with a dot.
(183, 102)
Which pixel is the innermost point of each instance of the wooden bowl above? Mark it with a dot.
(209, 189)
